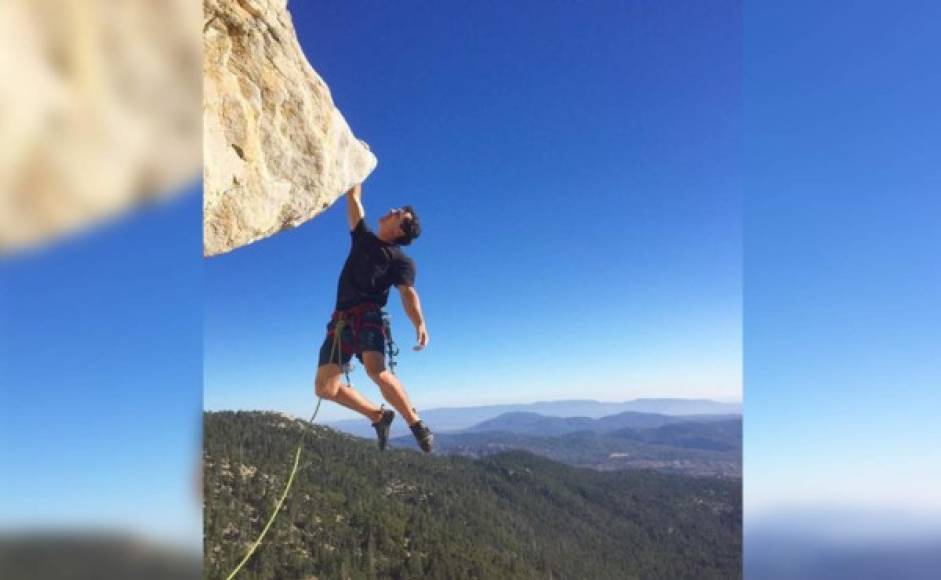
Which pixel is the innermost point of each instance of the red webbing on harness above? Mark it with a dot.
(354, 317)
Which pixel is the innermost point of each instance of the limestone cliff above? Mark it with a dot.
(276, 150)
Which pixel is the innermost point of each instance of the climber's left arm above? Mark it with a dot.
(412, 306)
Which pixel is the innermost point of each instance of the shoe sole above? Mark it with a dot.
(429, 442)
(383, 443)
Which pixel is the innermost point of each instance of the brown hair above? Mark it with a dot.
(411, 227)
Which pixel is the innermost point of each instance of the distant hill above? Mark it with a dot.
(536, 424)
(720, 435)
(527, 423)
(704, 446)
(360, 513)
(459, 418)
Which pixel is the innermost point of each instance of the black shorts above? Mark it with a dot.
(369, 337)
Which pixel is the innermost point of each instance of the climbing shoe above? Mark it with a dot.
(382, 427)
(423, 435)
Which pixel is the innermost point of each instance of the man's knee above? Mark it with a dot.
(326, 387)
(375, 366)
(377, 375)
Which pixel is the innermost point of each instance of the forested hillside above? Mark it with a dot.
(357, 513)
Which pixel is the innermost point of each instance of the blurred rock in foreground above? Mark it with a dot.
(92, 557)
(99, 111)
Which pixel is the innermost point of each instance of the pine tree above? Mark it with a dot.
(371, 556)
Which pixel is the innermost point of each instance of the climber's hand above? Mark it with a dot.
(421, 337)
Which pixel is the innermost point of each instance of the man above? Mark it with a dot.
(376, 263)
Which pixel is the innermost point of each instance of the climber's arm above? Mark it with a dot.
(354, 206)
(412, 307)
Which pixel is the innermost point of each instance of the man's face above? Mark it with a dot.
(393, 219)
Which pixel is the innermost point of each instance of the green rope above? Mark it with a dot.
(338, 329)
(284, 495)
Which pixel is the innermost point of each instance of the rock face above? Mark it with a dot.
(276, 150)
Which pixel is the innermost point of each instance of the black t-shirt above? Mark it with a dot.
(372, 267)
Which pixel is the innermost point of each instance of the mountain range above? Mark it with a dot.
(705, 445)
(536, 424)
(449, 419)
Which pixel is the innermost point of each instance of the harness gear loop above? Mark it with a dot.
(392, 349)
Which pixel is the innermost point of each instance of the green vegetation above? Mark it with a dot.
(357, 513)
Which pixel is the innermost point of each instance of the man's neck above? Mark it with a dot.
(386, 237)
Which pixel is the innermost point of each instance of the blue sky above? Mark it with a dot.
(842, 269)
(100, 414)
(577, 170)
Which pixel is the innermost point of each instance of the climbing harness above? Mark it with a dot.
(366, 316)
(341, 321)
(356, 320)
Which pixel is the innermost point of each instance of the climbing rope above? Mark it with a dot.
(284, 495)
(335, 348)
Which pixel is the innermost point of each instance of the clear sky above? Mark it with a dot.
(842, 263)
(100, 389)
(576, 166)
(577, 170)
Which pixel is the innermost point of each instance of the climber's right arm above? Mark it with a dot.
(354, 206)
